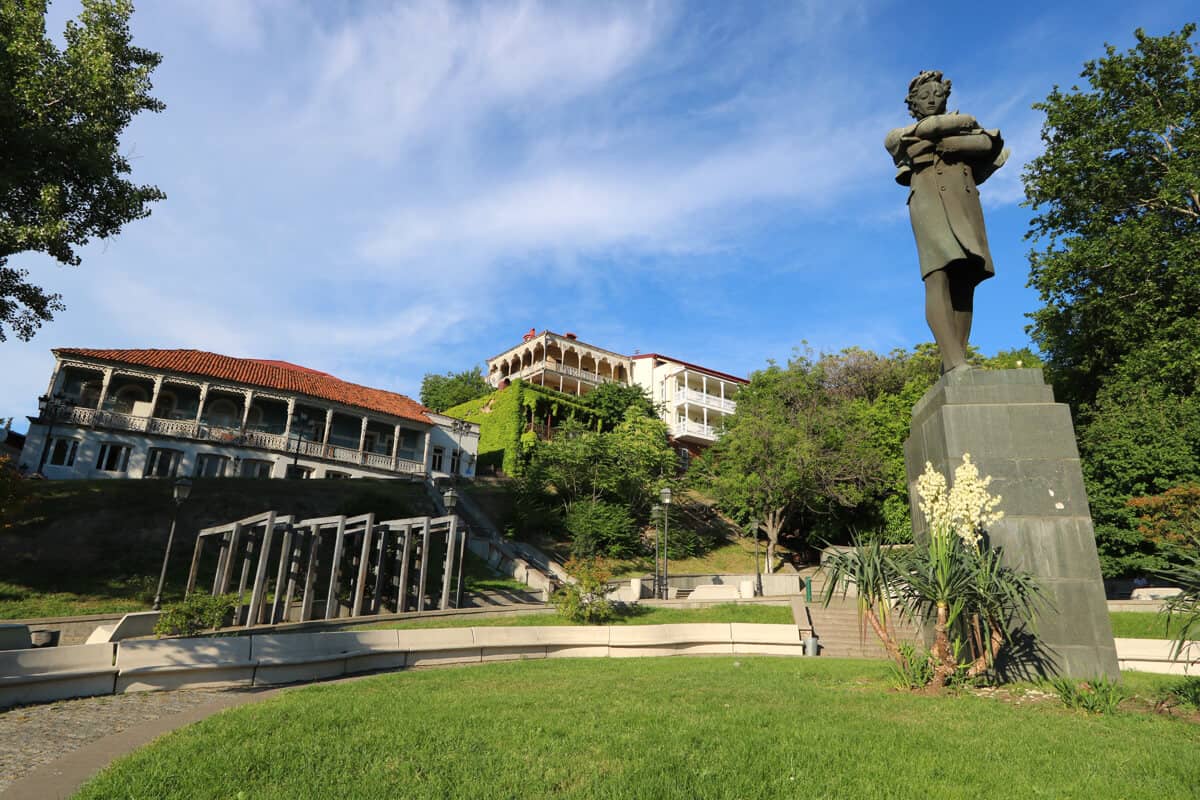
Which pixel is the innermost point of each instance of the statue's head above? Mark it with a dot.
(927, 94)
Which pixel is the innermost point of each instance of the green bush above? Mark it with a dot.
(1097, 696)
(200, 612)
(601, 528)
(915, 671)
(686, 543)
(1185, 693)
(585, 600)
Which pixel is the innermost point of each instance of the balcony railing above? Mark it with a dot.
(260, 440)
(702, 399)
(697, 429)
(574, 372)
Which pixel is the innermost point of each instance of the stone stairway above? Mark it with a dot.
(840, 632)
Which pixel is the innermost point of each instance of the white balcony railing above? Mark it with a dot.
(574, 372)
(697, 429)
(700, 398)
(259, 440)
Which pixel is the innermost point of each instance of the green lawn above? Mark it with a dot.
(640, 615)
(1140, 625)
(718, 727)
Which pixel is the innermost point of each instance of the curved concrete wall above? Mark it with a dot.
(40, 675)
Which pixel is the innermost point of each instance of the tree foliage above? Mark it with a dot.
(603, 483)
(441, 392)
(611, 401)
(797, 446)
(62, 113)
(1116, 201)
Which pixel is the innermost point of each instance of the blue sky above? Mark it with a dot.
(381, 190)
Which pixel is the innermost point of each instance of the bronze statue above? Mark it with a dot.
(944, 157)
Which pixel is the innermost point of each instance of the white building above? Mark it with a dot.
(559, 361)
(165, 413)
(693, 400)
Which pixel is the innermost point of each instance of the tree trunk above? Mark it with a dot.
(885, 636)
(941, 654)
(773, 524)
(986, 659)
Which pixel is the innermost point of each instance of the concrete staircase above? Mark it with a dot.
(840, 632)
(519, 560)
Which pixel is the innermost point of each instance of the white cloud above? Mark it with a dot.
(427, 72)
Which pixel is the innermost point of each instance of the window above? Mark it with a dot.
(685, 459)
(113, 457)
(294, 472)
(256, 468)
(211, 465)
(333, 474)
(62, 452)
(162, 463)
(438, 454)
(455, 461)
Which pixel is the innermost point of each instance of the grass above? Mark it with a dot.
(719, 727)
(638, 615)
(1139, 625)
(735, 557)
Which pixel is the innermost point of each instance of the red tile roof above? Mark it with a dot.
(268, 374)
(696, 367)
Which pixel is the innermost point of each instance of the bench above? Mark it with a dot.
(166, 664)
(55, 673)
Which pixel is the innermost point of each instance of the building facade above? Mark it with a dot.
(693, 400)
(167, 413)
(559, 361)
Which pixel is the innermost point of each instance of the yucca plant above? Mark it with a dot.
(871, 570)
(950, 580)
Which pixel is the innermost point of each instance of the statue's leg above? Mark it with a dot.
(962, 300)
(943, 322)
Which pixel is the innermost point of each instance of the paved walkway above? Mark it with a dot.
(49, 751)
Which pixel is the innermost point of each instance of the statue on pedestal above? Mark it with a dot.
(944, 157)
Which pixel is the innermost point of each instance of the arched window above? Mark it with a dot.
(126, 396)
(223, 413)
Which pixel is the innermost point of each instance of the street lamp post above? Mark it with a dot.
(49, 407)
(458, 427)
(664, 497)
(450, 498)
(181, 489)
(758, 589)
(300, 420)
(656, 515)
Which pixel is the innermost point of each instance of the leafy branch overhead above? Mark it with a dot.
(62, 174)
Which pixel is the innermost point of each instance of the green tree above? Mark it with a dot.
(795, 450)
(62, 113)
(1116, 202)
(440, 392)
(612, 400)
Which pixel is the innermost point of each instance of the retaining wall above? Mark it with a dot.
(56, 673)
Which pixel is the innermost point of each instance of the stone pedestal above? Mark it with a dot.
(1008, 422)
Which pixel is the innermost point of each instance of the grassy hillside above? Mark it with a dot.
(90, 547)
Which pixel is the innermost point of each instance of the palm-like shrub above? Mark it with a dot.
(950, 580)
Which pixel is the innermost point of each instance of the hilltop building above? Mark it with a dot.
(693, 400)
(166, 413)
